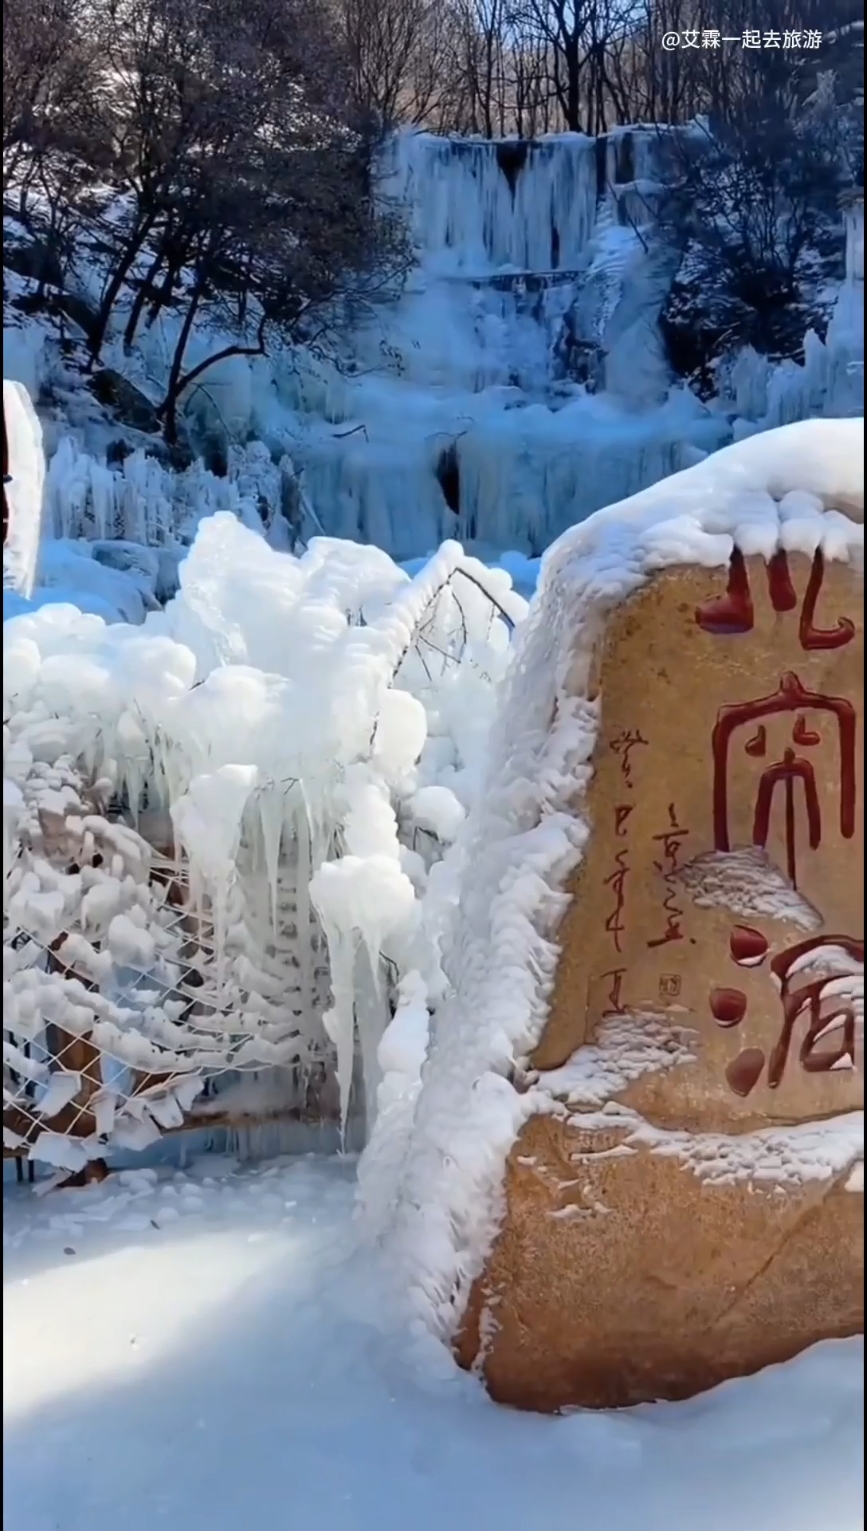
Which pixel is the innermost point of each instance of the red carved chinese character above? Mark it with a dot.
(780, 587)
(790, 697)
(734, 612)
(821, 952)
(615, 1001)
(827, 1002)
(728, 1006)
(745, 1071)
(813, 637)
(621, 814)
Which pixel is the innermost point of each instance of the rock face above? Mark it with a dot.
(692, 1209)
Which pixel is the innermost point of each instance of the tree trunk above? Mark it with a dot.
(121, 271)
(572, 62)
(177, 382)
(141, 297)
(162, 298)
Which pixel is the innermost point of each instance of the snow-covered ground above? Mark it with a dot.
(205, 1351)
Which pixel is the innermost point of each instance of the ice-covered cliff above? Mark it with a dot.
(516, 383)
(521, 382)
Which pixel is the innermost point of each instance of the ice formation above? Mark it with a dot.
(24, 491)
(113, 537)
(291, 741)
(432, 1178)
(516, 385)
(831, 379)
(520, 381)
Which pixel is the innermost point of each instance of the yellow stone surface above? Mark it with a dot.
(712, 956)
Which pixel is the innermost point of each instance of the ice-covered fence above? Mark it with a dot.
(297, 741)
(125, 1008)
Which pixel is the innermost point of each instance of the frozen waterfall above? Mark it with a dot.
(515, 384)
(520, 381)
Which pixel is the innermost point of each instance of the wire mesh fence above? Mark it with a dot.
(134, 1008)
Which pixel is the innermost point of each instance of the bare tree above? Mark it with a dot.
(43, 60)
(533, 104)
(399, 55)
(487, 74)
(251, 193)
(235, 167)
(752, 201)
(297, 241)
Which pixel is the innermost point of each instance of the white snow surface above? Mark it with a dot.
(207, 1349)
(432, 1177)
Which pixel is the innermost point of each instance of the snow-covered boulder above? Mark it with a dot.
(634, 1163)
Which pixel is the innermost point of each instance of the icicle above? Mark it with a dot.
(303, 873)
(339, 1020)
(270, 806)
(372, 1017)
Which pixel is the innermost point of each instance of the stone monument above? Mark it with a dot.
(692, 1209)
